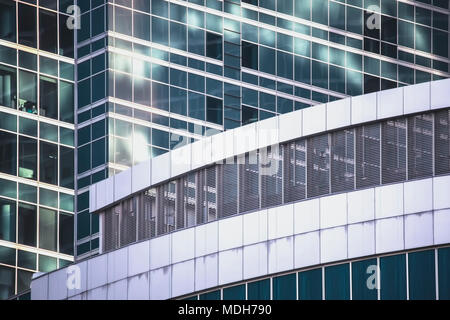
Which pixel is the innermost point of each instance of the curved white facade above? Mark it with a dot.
(327, 229)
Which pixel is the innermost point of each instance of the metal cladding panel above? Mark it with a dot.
(368, 166)
(442, 142)
(393, 150)
(342, 160)
(294, 161)
(420, 146)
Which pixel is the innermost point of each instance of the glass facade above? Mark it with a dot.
(336, 161)
(36, 141)
(375, 278)
(153, 75)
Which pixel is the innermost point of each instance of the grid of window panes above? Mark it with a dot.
(36, 140)
(391, 151)
(414, 275)
(167, 73)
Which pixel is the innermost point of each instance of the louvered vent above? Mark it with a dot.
(248, 182)
(393, 150)
(228, 186)
(442, 142)
(128, 222)
(342, 161)
(420, 146)
(294, 154)
(147, 215)
(318, 166)
(368, 153)
(271, 170)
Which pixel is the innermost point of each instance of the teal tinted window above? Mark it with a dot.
(284, 287)
(27, 193)
(444, 273)
(8, 255)
(259, 290)
(48, 131)
(48, 198)
(8, 188)
(46, 263)
(320, 11)
(26, 259)
(337, 282)
(160, 31)
(213, 295)
(303, 70)
(66, 202)
(364, 280)
(421, 275)
(406, 34)
(8, 121)
(320, 74)
(7, 220)
(393, 277)
(28, 126)
(47, 229)
(423, 38)
(310, 285)
(337, 18)
(302, 9)
(354, 20)
(234, 293)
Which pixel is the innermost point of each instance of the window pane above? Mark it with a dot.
(27, 158)
(66, 170)
(214, 295)
(7, 282)
(214, 110)
(27, 225)
(47, 229)
(444, 274)
(27, 25)
(47, 264)
(364, 288)
(284, 287)
(234, 293)
(421, 275)
(7, 220)
(337, 282)
(23, 280)
(26, 259)
(8, 153)
(66, 233)
(213, 46)
(8, 87)
(393, 277)
(310, 285)
(48, 31)
(28, 92)
(49, 163)
(259, 290)
(8, 20)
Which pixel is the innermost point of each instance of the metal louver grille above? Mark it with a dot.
(294, 171)
(248, 182)
(111, 235)
(128, 222)
(179, 204)
(271, 169)
(368, 149)
(228, 185)
(420, 146)
(442, 142)
(190, 192)
(201, 199)
(318, 166)
(342, 161)
(393, 150)
(211, 193)
(147, 215)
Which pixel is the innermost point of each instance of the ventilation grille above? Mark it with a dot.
(442, 142)
(420, 146)
(248, 182)
(368, 156)
(271, 170)
(342, 161)
(294, 155)
(393, 150)
(318, 166)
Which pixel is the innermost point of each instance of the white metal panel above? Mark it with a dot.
(390, 103)
(160, 283)
(138, 258)
(183, 245)
(361, 239)
(100, 293)
(280, 221)
(307, 249)
(440, 94)
(141, 176)
(314, 119)
(418, 196)
(39, 288)
(268, 132)
(117, 268)
(281, 254)
(389, 201)
(361, 205)
(255, 260)
(83, 269)
(206, 272)
(160, 253)
(57, 283)
(245, 139)
(206, 238)
(441, 197)
(338, 113)
(161, 168)
(333, 211)
(180, 160)
(118, 290)
(333, 244)
(97, 271)
(230, 233)
(290, 125)
(122, 185)
(306, 216)
(255, 227)
(417, 98)
(418, 230)
(389, 235)
(93, 198)
(442, 226)
(183, 278)
(364, 108)
(230, 266)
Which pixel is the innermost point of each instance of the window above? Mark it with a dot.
(66, 234)
(48, 31)
(213, 46)
(267, 61)
(123, 22)
(178, 36)
(160, 31)
(46, 263)
(141, 25)
(214, 110)
(27, 25)
(8, 153)
(406, 34)
(249, 115)
(361, 271)
(284, 287)
(27, 158)
(196, 41)
(393, 277)
(8, 87)
(48, 163)
(66, 102)
(302, 70)
(7, 220)
(337, 282)
(27, 224)
(7, 284)
(234, 293)
(421, 275)
(8, 20)
(65, 38)
(48, 105)
(47, 229)
(249, 55)
(285, 65)
(28, 92)
(259, 290)
(444, 274)
(310, 285)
